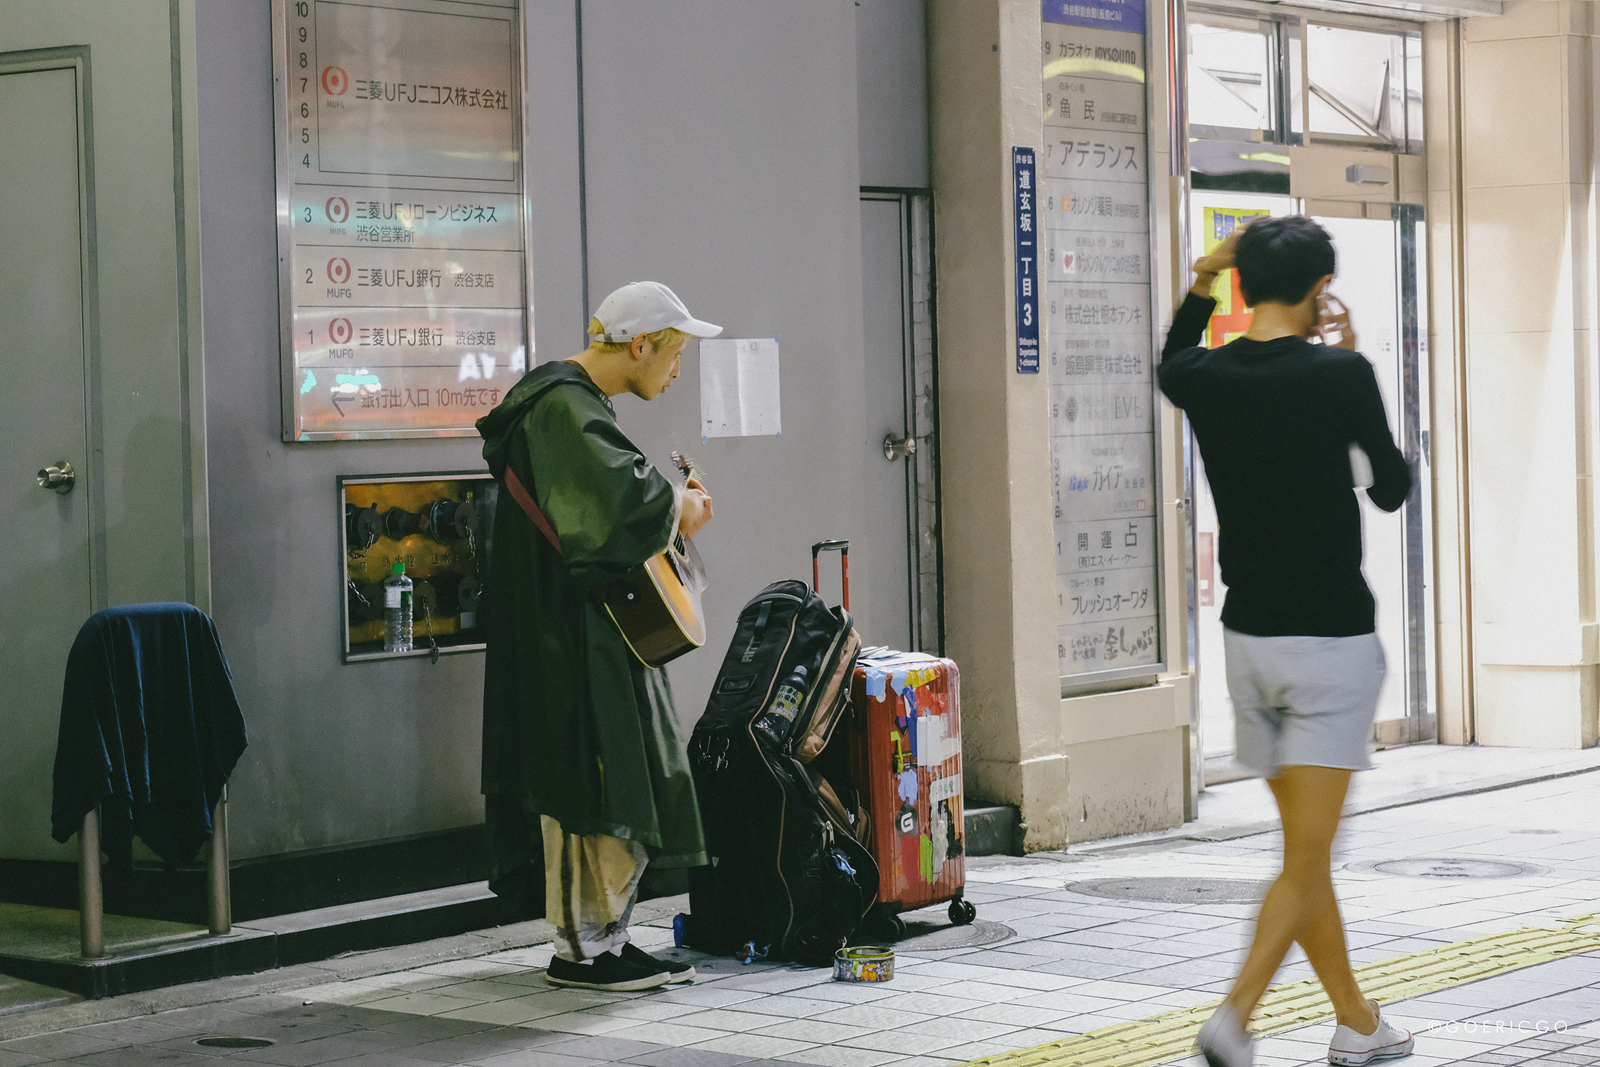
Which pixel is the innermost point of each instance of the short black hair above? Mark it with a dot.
(1281, 258)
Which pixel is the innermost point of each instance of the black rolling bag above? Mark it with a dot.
(787, 876)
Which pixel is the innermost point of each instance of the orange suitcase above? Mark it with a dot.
(905, 755)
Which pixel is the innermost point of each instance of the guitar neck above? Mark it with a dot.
(686, 466)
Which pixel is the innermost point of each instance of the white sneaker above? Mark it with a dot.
(1223, 1041)
(1352, 1049)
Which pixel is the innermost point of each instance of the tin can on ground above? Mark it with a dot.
(863, 963)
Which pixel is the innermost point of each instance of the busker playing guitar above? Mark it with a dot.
(582, 756)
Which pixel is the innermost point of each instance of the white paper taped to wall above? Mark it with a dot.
(739, 387)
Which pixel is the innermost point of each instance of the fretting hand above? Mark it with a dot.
(696, 508)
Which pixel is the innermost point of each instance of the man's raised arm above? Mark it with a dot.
(1189, 321)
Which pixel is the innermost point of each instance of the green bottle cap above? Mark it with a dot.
(399, 568)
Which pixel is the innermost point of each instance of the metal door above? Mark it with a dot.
(1211, 682)
(45, 578)
(897, 560)
(1379, 279)
(99, 289)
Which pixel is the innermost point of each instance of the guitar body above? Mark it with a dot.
(657, 607)
(657, 612)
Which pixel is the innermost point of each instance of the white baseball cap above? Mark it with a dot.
(645, 307)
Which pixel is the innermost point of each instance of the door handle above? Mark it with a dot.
(59, 476)
(898, 448)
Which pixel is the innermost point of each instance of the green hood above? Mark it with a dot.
(496, 427)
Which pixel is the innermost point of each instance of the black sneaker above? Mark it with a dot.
(676, 972)
(606, 971)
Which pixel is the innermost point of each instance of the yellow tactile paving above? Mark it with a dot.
(1162, 1038)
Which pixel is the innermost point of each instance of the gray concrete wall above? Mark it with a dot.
(338, 754)
(721, 158)
(892, 90)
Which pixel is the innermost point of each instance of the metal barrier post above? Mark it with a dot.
(91, 928)
(219, 903)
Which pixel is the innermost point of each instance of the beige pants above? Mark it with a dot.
(590, 884)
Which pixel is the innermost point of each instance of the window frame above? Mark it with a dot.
(1285, 29)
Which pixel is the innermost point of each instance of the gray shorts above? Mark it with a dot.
(1303, 701)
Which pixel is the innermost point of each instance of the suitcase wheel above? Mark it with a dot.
(885, 926)
(962, 912)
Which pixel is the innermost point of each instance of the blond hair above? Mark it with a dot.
(660, 339)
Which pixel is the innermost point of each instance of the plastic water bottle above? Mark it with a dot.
(397, 611)
(778, 719)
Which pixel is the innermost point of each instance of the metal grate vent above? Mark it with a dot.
(940, 937)
(1195, 890)
(235, 1042)
(1448, 867)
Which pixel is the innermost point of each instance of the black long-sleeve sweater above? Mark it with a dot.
(1275, 421)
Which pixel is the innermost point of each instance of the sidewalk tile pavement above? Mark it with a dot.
(1044, 962)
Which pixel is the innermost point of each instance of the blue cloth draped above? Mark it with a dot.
(150, 730)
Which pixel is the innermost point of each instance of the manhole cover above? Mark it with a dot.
(1175, 890)
(1448, 867)
(235, 1042)
(935, 937)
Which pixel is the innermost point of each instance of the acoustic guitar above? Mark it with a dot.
(657, 606)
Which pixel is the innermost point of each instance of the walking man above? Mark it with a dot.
(1276, 418)
(583, 761)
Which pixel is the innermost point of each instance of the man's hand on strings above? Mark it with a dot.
(696, 508)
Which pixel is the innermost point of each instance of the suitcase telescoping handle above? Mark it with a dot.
(843, 548)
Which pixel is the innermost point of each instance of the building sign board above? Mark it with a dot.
(403, 283)
(1025, 248)
(1095, 247)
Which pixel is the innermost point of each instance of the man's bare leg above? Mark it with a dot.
(1301, 906)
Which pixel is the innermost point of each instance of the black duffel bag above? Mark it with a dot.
(787, 877)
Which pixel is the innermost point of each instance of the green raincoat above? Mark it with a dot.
(574, 726)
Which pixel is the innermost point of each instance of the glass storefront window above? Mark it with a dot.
(1230, 74)
(1268, 78)
(1366, 87)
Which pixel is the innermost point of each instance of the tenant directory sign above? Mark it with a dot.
(1095, 246)
(402, 236)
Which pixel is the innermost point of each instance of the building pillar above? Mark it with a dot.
(993, 422)
(1528, 235)
(1127, 749)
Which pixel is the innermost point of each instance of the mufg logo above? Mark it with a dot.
(335, 81)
